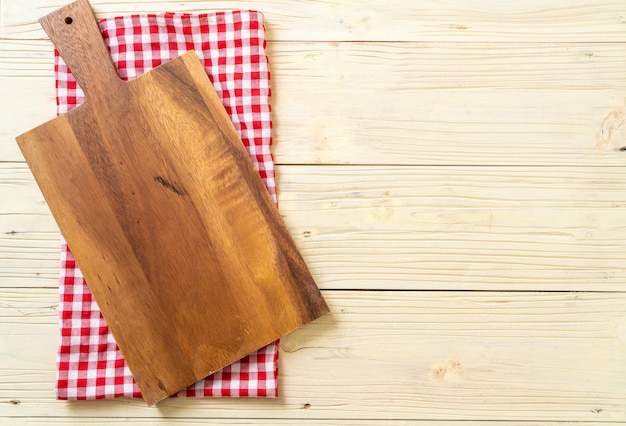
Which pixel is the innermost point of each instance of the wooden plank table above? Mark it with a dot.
(452, 174)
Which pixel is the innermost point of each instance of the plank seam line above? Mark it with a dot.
(442, 42)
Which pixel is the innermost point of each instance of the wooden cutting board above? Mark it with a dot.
(172, 227)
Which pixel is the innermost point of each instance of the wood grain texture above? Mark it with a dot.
(481, 356)
(478, 228)
(333, 20)
(460, 227)
(436, 104)
(172, 227)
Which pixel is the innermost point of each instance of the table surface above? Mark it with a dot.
(453, 175)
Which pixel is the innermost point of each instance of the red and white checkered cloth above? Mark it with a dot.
(231, 46)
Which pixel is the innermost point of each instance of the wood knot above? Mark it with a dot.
(169, 185)
(448, 370)
(612, 135)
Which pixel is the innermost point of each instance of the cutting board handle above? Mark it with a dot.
(75, 33)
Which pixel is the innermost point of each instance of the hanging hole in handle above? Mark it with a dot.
(68, 20)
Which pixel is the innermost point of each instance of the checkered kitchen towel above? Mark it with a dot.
(231, 46)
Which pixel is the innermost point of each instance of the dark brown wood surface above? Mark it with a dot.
(171, 225)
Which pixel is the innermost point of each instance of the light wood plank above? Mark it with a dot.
(454, 20)
(459, 228)
(494, 228)
(422, 66)
(380, 355)
(383, 103)
(435, 104)
(30, 257)
(309, 422)
(24, 104)
(425, 66)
